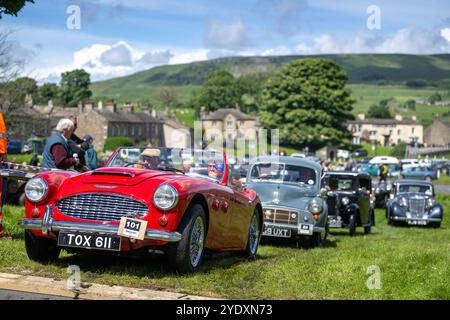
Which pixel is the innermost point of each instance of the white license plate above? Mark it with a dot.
(277, 232)
(335, 224)
(306, 229)
(417, 222)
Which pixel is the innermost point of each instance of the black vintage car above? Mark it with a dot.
(412, 203)
(349, 203)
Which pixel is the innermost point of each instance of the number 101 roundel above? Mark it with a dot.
(182, 201)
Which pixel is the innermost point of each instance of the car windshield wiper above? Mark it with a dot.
(171, 169)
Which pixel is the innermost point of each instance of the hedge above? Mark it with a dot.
(113, 143)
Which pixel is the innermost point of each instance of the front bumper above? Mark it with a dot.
(47, 224)
(423, 221)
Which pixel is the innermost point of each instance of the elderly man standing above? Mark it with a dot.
(57, 152)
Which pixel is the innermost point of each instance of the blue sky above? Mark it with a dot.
(121, 37)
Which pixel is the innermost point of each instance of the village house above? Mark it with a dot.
(232, 124)
(147, 126)
(103, 122)
(386, 132)
(438, 133)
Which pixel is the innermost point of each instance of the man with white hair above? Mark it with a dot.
(57, 153)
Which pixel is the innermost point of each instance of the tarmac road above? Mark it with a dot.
(442, 189)
(19, 295)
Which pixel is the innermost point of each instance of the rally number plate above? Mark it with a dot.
(132, 228)
(306, 229)
(89, 241)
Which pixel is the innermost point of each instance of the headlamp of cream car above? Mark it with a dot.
(36, 189)
(165, 197)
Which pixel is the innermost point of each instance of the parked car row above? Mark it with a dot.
(32, 145)
(182, 202)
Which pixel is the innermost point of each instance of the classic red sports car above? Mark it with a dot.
(174, 201)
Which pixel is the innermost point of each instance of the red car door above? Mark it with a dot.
(240, 215)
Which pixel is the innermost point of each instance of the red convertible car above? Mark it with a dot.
(174, 201)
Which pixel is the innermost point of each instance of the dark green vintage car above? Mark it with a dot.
(349, 200)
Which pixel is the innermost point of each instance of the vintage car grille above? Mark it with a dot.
(417, 207)
(100, 207)
(283, 216)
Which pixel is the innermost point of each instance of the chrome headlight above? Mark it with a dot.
(403, 202)
(36, 189)
(345, 201)
(315, 206)
(430, 202)
(165, 197)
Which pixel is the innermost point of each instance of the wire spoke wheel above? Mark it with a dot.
(196, 241)
(254, 235)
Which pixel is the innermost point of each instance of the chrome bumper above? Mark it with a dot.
(397, 218)
(47, 224)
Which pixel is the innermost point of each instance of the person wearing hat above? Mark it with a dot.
(91, 154)
(215, 170)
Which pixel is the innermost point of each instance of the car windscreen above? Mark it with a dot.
(413, 188)
(280, 172)
(208, 164)
(340, 183)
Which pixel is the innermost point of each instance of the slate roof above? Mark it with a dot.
(220, 115)
(383, 121)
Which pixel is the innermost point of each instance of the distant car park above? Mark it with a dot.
(360, 153)
(420, 173)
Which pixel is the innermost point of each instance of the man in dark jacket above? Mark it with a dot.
(78, 146)
(57, 152)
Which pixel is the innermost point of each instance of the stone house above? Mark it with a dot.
(386, 132)
(438, 133)
(109, 121)
(231, 124)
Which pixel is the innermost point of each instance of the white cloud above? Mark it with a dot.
(406, 40)
(232, 36)
(445, 33)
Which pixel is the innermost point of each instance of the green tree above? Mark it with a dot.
(410, 104)
(399, 150)
(167, 97)
(12, 7)
(27, 86)
(48, 91)
(307, 100)
(75, 87)
(379, 112)
(219, 91)
(434, 98)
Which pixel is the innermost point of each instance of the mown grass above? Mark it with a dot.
(413, 262)
(444, 179)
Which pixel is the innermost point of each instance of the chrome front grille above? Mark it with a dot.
(417, 207)
(100, 207)
(284, 216)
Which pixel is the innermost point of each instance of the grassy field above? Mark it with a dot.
(443, 179)
(366, 95)
(413, 262)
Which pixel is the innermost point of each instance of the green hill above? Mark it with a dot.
(362, 69)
